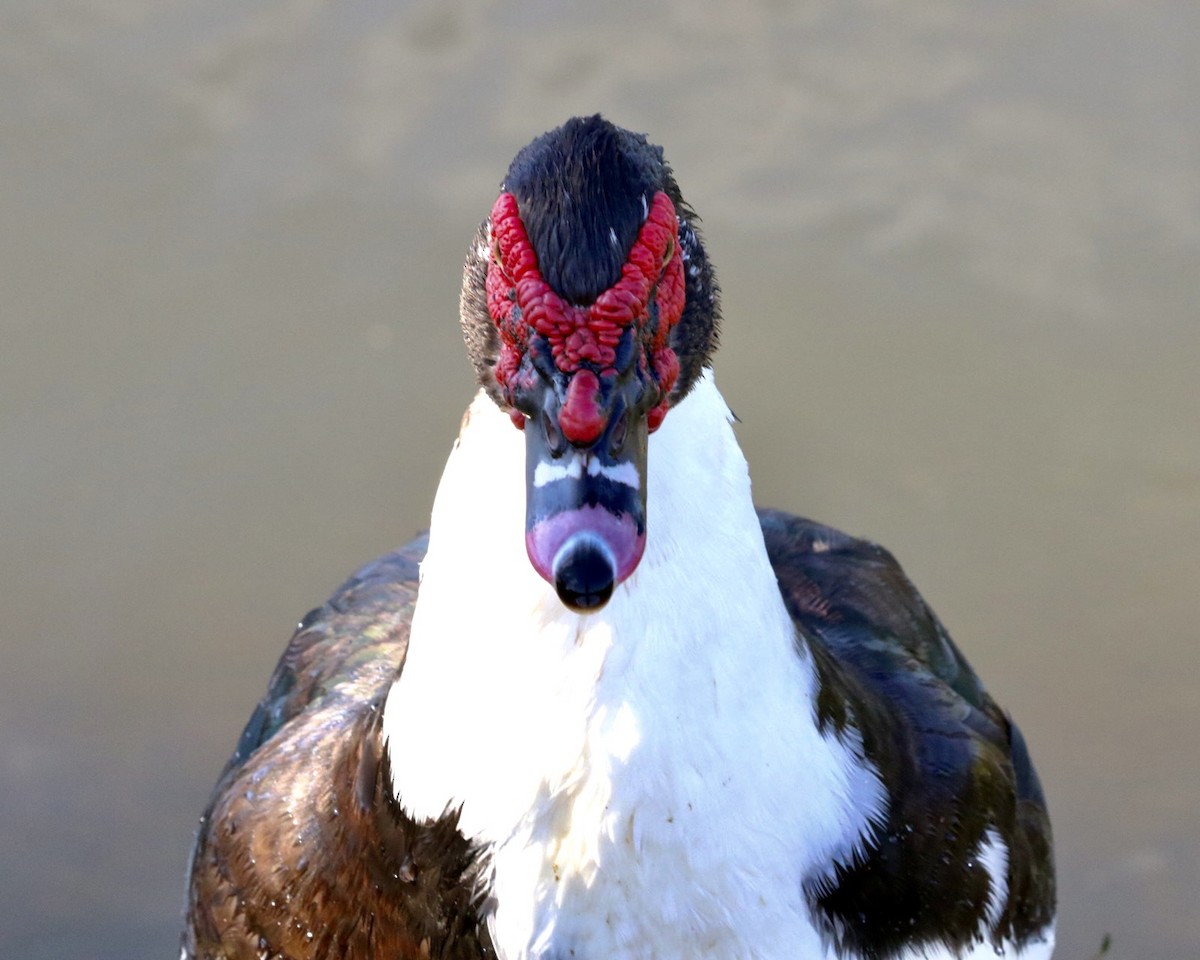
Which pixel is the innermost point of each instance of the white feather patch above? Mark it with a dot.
(993, 855)
(650, 778)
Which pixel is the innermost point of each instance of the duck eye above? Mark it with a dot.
(668, 253)
(497, 259)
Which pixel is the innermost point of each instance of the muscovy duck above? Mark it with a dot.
(606, 709)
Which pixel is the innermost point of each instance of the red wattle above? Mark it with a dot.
(582, 420)
(521, 302)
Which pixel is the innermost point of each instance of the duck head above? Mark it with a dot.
(589, 309)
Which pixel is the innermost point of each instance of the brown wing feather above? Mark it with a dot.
(302, 853)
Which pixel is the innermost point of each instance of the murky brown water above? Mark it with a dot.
(960, 249)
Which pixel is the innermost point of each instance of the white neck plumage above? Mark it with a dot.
(642, 773)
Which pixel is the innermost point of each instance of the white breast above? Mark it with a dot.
(650, 778)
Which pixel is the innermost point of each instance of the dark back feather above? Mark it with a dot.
(952, 760)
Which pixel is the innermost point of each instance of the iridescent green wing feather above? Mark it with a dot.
(953, 762)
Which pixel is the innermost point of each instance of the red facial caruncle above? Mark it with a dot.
(583, 340)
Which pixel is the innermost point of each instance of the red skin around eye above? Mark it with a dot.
(588, 335)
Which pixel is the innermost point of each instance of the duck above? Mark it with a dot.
(605, 707)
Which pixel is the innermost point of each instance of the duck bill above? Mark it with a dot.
(585, 512)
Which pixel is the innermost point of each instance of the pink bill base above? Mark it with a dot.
(618, 532)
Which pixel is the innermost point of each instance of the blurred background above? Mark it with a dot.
(960, 253)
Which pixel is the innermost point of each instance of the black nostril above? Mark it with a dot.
(554, 438)
(584, 575)
(616, 438)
